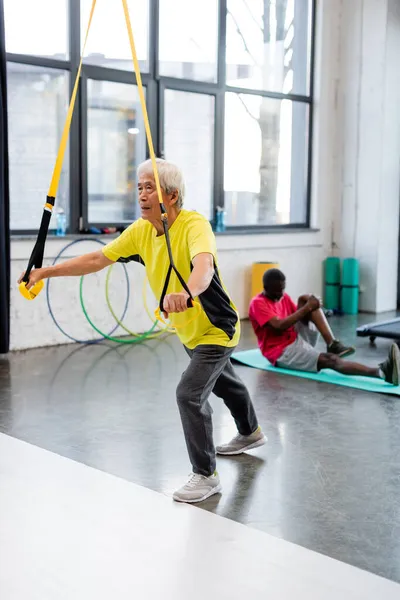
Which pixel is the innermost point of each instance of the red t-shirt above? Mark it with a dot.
(272, 343)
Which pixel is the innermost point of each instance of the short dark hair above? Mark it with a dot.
(271, 276)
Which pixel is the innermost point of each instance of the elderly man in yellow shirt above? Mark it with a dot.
(209, 337)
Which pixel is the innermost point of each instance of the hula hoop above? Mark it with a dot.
(48, 295)
(109, 337)
(119, 321)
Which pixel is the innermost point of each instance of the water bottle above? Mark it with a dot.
(220, 219)
(61, 223)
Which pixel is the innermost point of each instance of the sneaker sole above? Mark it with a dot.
(216, 490)
(346, 353)
(256, 444)
(395, 356)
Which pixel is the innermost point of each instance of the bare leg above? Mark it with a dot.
(319, 320)
(331, 361)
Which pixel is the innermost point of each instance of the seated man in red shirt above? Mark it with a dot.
(287, 334)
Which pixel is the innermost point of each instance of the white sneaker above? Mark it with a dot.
(242, 443)
(198, 488)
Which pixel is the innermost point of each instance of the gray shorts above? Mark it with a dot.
(302, 354)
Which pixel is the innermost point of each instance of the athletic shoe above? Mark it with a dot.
(340, 349)
(242, 443)
(198, 488)
(391, 366)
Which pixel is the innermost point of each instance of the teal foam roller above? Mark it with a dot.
(332, 283)
(332, 297)
(349, 300)
(332, 270)
(350, 272)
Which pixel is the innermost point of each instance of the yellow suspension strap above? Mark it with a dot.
(36, 259)
(164, 216)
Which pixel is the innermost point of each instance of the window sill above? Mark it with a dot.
(265, 230)
(272, 238)
(69, 237)
(228, 232)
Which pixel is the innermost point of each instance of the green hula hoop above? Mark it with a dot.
(137, 340)
(150, 334)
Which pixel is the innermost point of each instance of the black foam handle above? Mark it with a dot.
(189, 303)
(36, 258)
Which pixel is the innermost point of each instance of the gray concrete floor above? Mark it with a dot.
(328, 479)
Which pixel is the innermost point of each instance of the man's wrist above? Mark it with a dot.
(46, 272)
(191, 295)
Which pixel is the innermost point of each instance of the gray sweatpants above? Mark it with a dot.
(210, 370)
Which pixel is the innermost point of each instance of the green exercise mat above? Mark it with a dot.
(254, 358)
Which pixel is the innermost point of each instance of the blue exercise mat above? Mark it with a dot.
(254, 358)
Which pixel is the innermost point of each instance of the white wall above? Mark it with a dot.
(366, 221)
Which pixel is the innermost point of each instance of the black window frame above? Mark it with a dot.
(156, 85)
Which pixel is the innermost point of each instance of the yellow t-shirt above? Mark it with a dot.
(190, 234)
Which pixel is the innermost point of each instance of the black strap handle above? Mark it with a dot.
(172, 266)
(164, 292)
(36, 259)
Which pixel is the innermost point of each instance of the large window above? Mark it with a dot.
(267, 45)
(189, 142)
(116, 145)
(37, 28)
(229, 89)
(37, 107)
(189, 39)
(265, 172)
(108, 43)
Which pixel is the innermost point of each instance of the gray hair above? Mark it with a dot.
(171, 178)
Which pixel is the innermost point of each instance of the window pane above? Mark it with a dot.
(108, 42)
(265, 160)
(268, 45)
(189, 39)
(116, 145)
(189, 143)
(37, 107)
(38, 27)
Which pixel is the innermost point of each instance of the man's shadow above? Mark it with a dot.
(237, 500)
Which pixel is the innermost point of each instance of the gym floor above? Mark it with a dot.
(328, 479)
